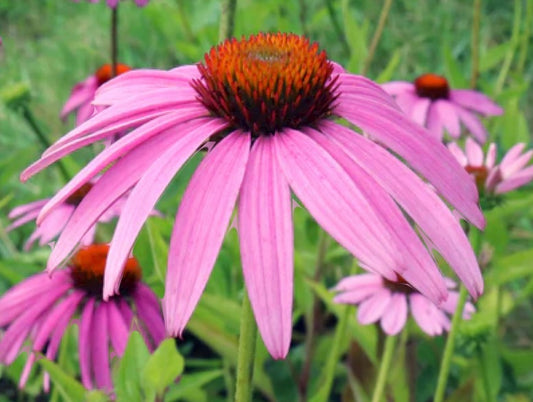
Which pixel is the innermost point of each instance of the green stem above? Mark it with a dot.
(525, 38)
(377, 35)
(312, 319)
(184, 23)
(32, 122)
(303, 16)
(449, 347)
(386, 360)
(246, 352)
(227, 19)
(475, 43)
(114, 41)
(506, 65)
(337, 28)
(328, 375)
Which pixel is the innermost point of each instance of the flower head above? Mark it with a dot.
(104, 326)
(431, 102)
(491, 178)
(83, 92)
(48, 229)
(265, 105)
(380, 299)
(114, 3)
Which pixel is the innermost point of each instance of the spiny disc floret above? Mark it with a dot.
(267, 82)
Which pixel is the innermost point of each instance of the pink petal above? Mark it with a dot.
(472, 123)
(517, 180)
(425, 154)
(490, 159)
(84, 343)
(100, 348)
(334, 201)
(398, 87)
(406, 102)
(26, 208)
(417, 199)
(434, 123)
(510, 168)
(358, 281)
(355, 86)
(448, 117)
(416, 264)
(82, 92)
(395, 315)
(118, 330)
(475, 101)
(201, 223)
(143, 197)
(266, 238)
(373, 308)
(424, 313)
(419, 111)
(113, 184)
(474, 153)
(458, 153)
(149, 313)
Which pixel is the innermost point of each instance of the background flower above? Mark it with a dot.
(104, 326)
(431, 102)
(390, 301)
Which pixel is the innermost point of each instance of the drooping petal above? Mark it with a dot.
(331, 197)
(100, 348)
(84, 343)
(419, 111)
(201, 223)
(418, 267)
(26, 208)
(517, 180)
(448, 117)
(417, 199)
(266, 238)
(425, 154)
(118, 330)
(475, 101)
(109, 187)
(472, 123)
(398, 87)
(358, 281)
(149, 313)
(395, 314)
(82, 92)
(434, 123)
(424, 314)
(145, 194)
(372, 309)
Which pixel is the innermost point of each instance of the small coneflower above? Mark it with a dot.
(74, 295)
(51, 227)
(490, 177)
(82, 93)
(266, 105)
(114, 3)
(431, 102)
(380, 299)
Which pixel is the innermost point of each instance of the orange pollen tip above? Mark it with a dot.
(87, 270)
(432, 86)
(480, 174)
(398, 286)
(78, 195)
(105, 73)
(267, 82)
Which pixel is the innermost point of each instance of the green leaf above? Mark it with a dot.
(390, 68)
(163, 367)
(128, 378)
(192, 382)
(452, 70)
(511, 267)
(493, 56)
(69, 388)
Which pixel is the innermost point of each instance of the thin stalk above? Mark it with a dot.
(303, 16)
(448, 349)
(525, 38)
(227, 19)
(312, 320)
(508, 59)
(475, 43)
(328, 375)
(41, 137)
(377, 35)
(184, 23)
(114, 41)
(246, 352)
(228, 379)
(386, 360)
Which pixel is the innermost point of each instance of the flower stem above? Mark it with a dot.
(386, 360)
(336, 27)
(448, 348)
(32, 122)
(246, 352)
(475, 43)
(227, 19)
(377, 35)
(114, 40)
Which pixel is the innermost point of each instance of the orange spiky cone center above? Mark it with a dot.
(105, 73)
(432, 86)
(87, 270)
(267, 82)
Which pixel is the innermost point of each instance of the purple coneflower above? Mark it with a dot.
(266, 106)
(104, 326)
(83, 92)
(114, 3)
(491, 178)
(380, 299)
(49, 228)
(431, 102)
